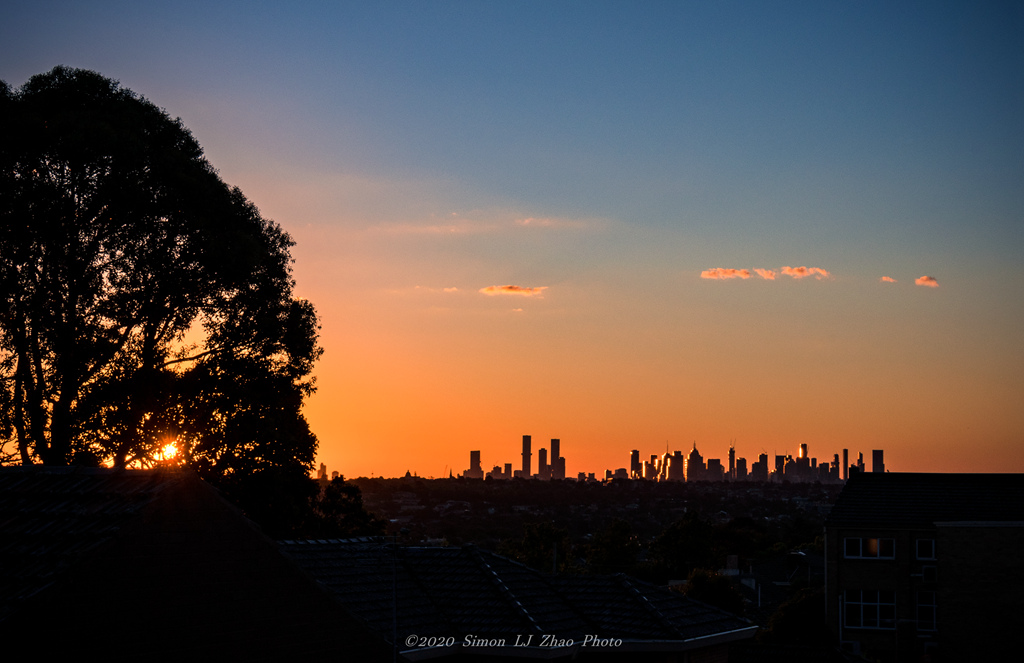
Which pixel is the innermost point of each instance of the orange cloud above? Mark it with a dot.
(801, 272)
(492, 290)
(767, 274)
(887, 279)
(929, 281)
(725, 273)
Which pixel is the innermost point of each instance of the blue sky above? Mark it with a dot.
(611, 152)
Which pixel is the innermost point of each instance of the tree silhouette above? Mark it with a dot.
(613, 549)
(543, 547)
(683, 546)
(143, 301)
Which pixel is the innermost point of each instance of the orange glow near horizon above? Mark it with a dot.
(420, 367)
(390, 402)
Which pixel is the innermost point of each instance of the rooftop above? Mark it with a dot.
(898, 500)
(448, 592)
(157, 562)
(51, 517)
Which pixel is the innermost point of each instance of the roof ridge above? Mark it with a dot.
(503, 589)
(626, 582)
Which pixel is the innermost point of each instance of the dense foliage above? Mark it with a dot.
(143, 302)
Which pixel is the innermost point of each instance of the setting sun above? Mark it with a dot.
(167, 453)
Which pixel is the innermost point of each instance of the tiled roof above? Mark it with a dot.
(460, 591)
(906, 500)
(51, 517)
(161, 561)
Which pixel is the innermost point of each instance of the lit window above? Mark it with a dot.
(926, 548)
(926, 611)
(864, 548)
(870, 608)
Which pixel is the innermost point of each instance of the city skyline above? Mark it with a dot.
(677, 465)
(620, 226)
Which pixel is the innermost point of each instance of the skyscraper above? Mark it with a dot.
(543, 470)
(677, 466)
(474, 471)
(877, 464)
(527, 456)
(694, 465)
(759, 470)
(557, 462)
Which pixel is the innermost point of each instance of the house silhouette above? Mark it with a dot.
(926, 565)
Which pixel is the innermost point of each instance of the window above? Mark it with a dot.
(926, 548)
(926, 611)
(858, 548)
(870, 608)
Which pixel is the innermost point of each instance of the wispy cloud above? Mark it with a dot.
(522, 291)
(887, 279)
(551, 222)
(453, 226)
(803, 272)
(766, 274)
(477, 222)
(420, 289)
(927, 281)
(725, 273)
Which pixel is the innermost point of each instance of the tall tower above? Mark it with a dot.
(527, 455)
(877, 464)
(694, 465)
(676, 466)
(846, 464)
(635, 469)
(732, 461)
(556, 461)
(543, 471)
(474, 471)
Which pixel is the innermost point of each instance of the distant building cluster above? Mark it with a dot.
(548, 468)
(689, 467)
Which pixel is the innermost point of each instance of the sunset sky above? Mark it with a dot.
(624, 225)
